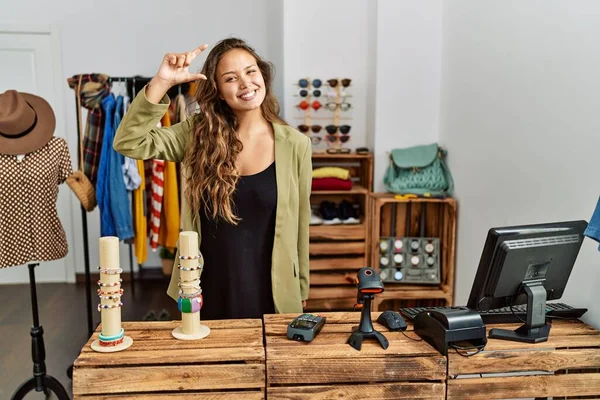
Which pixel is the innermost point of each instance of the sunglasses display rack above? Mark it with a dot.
(329, 96)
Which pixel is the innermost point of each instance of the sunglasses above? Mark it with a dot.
(305, 128)
(338, 151)
(334, 138)
(315, 139)
(331, 106)
(344, 82)
(306, 92)
(303, 83)
(344, 129)
(305, 105)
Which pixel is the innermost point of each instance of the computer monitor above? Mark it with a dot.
(526, 264)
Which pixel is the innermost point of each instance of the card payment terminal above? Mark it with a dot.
(305, 327)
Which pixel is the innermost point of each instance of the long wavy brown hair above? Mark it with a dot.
(210, 159)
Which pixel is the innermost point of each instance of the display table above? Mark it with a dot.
(328, 368)
(572, 346)
(228, 364)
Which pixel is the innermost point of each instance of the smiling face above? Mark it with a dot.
(240, 81)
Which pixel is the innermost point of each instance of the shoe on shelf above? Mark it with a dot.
(348, 213)
(329, 213)
(164, 315)
(314, 218)
(150, 316)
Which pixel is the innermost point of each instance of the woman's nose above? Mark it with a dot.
(247, 83)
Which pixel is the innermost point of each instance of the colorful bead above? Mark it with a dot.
(197, 304)
(189, 305)
(184, 305)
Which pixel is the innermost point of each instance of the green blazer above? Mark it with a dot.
(139, 138)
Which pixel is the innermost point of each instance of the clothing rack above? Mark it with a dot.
(134, 84)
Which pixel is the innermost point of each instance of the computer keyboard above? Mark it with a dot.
(504, 314)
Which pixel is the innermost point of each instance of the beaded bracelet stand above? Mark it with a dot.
(190, 293)
(112, 338)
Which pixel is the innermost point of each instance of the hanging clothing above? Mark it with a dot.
(131, 175)
(140, 240)
(95, 87)
(111, 194)
(30, 229)
(593, 229)
(158, 182)
(169, 226)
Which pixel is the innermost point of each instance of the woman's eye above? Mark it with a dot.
(251, 71)
(229, 79)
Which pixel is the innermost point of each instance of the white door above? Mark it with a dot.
(30, 60)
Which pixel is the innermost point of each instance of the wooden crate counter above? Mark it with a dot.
(328, 368)
(571, 346)
(228, 364)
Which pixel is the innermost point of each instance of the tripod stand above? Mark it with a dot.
(40, 381)
(365, 329)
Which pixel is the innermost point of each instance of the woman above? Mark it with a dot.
(248, 179)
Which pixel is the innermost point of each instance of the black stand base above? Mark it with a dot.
(48, 383)
(40, 381)
(355, 340)
(522, 334)
(535, 329)
(365, 328)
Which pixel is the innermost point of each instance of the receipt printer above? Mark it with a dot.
(444, 327)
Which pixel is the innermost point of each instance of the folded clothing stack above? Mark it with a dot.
(331, 178)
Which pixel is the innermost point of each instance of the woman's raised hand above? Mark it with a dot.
(174, 68)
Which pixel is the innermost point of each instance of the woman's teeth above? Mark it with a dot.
(249, 95)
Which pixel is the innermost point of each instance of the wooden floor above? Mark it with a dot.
(63, 315)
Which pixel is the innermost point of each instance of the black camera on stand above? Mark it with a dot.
(368, 284)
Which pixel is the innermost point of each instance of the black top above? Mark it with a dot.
(236, 279)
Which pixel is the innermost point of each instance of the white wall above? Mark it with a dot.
(520, 116)
(328, 39)
(125, 38)
(408, 77)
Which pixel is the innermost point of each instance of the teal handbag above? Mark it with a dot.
(419, 170)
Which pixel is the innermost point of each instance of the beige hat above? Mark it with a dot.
(27, 122)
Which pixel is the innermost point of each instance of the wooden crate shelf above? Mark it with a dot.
(228, 364)
(339, 232)
(337, 252)
(338, 248)
(441, 217)
(337, 263)
(328, 368)
(568, 364)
